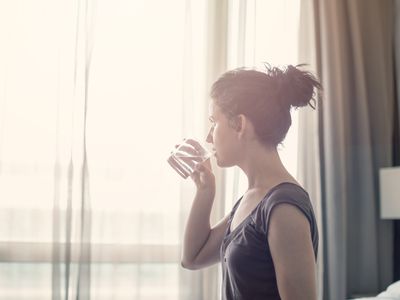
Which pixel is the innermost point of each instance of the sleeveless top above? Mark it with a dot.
(248, 271)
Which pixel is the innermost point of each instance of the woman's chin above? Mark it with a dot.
(217, 160)
(220, 162)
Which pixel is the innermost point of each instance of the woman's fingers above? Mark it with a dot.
(189, 155)
(196, 145)
(207, 164)
(195, 176)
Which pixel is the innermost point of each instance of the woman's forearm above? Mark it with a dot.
(197, 228)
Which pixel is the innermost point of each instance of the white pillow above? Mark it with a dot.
(392, 291)
(380, 297)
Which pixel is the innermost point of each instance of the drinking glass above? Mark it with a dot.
(186, 155)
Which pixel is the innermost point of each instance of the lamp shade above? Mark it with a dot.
(389, 182)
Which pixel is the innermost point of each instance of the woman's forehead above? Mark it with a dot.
(213, 109)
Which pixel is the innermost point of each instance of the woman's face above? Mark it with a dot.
(223, 137)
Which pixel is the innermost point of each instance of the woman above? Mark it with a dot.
(268, 244)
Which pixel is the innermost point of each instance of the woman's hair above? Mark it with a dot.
(265, 97)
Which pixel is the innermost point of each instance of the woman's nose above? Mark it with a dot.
(209, 138)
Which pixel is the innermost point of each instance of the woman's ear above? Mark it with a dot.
(243, 126)
(240, 123)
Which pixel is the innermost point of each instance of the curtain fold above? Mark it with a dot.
(354, 60)
(396, 131)
(77, 215)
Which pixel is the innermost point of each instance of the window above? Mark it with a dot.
(144, 62)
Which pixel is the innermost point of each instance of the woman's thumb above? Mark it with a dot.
(200, 168)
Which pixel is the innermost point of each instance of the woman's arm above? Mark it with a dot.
(200, 252)
(290, 243)
(201, 243)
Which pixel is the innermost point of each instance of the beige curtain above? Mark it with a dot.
(352, 46)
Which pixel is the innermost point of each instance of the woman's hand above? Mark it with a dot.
(192, 154)
(203, 177)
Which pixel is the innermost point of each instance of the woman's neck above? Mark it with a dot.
(264, 168)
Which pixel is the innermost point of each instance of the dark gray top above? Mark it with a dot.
(248, 271)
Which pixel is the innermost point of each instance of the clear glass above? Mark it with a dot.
(186, 155)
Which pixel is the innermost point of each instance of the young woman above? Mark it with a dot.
(268, 244)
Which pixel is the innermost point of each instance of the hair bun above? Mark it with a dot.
(297, 87)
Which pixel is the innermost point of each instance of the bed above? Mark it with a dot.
(391, 293)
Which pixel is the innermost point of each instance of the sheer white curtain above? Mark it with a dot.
(309, 172)
(93, 95)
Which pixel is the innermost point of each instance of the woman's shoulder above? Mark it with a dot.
(286, 192)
